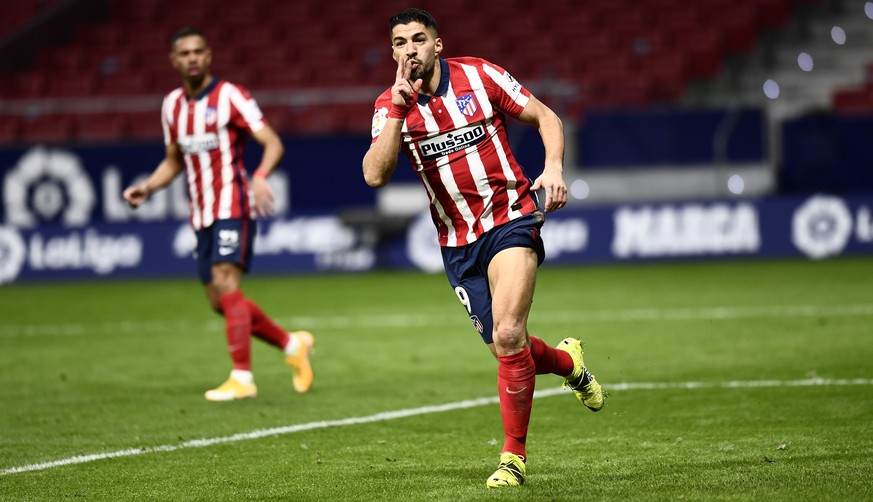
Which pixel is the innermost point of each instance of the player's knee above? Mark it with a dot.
(509, 335)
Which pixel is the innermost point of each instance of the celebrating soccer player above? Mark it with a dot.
(206, 123)
(448, 116)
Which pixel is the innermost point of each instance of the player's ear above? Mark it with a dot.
(438, 46)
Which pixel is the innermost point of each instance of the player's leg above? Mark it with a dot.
(297, 345)
(512, 279)
(548, 359)
(224, 291)
(468, 279)
(236, 243)
(566, 359)
(223, 251)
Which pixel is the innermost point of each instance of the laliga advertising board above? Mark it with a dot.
(62, 217)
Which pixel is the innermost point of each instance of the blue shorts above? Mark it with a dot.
(467, 266)
(225, 241)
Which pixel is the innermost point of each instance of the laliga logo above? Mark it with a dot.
(12, 253)
(822, 226)
(53, 183)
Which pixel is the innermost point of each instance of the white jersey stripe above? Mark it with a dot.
(226, 195)
(511, 181)
(445, 171)
(511, 87)
(500, 149)
(206, 174)
(477, 169)
(255, 119)
(210, 130)
(248, 109)
(193, 187)
(479, 90)
(441, 211)
(464, 120)
(448, 180)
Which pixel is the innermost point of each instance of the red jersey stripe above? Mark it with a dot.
(211, 130)
(457, 142)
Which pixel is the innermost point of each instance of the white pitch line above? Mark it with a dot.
(420, 320)
(424, 410)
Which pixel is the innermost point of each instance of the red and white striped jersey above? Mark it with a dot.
(211, 129)
(457, 142)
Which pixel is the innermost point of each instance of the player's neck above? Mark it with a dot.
(194, 87)
(430, 84)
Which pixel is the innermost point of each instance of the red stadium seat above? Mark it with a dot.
(739, 25)
(704, 50)
(72, 85)
(855, 101)
(145, 125)
(126, 84)
(64, 59)
(48, 129)
(597, 47)
(28, 84)
(10, 128)
(284, 77)
(101, 127)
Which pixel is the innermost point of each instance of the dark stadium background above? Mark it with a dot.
(677, 112)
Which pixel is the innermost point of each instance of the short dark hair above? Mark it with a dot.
(414, 15)
(186, 32)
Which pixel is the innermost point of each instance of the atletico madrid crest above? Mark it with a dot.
(467, 104)
(211, 115)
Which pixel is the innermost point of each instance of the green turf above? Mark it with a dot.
(118, 366)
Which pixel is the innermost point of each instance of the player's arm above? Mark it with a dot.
(163, 175)
(273, 152)
(552, 132)
(381, 159)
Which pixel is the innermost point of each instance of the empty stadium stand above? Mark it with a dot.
(302, 58)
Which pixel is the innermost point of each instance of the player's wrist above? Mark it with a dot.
(398, 112)
(260, 174)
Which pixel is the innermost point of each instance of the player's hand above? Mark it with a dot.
(404, 92)
(136, 195)
(264, 197)
(556, 191)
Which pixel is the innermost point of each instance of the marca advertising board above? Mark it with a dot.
(60, 221)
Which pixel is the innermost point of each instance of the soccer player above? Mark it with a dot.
(206, 123)
(448, 117)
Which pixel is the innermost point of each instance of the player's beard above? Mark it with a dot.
(423, 71)
(196, 79)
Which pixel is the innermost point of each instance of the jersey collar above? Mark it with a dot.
(206, 90)
(442, 88)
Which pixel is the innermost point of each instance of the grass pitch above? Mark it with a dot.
(747, 380)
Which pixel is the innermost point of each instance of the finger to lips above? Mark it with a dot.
(407, 69)
(400, 69)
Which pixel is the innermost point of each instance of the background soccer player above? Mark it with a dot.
(448, 116)
(206, 123)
